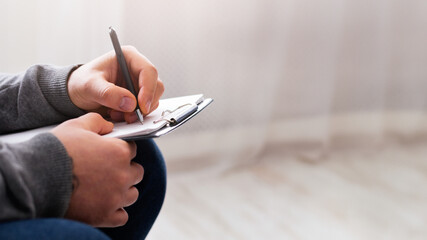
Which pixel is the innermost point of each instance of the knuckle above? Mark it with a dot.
(139, 171)
(114, 201)
(129, 48)
(106, 92)
(133, 149)
(134, 195)
(72, 122)
(111, 204)
(122, 219)
(83, 120)
(125, 152)
(120, 149)
(152, 70)
(94, 115)
(160, 87)
(123, 179)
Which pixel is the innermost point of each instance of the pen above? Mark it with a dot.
(125, 71)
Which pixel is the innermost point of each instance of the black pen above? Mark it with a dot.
(125, 71)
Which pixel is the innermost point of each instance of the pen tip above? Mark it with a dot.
(140, 117)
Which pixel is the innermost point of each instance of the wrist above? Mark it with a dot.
(70, 86)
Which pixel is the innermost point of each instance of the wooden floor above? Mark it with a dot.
(350, 194)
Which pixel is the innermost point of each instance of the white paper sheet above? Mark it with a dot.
(121, 129)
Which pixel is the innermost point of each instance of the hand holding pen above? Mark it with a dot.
(100, 86)
(125, 71)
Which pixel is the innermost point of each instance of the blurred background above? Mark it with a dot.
(319, 125)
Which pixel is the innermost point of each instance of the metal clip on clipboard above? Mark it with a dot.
(175, 116)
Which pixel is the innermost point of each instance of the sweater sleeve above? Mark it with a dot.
(36, 175)
(38, 97)
(35, 178)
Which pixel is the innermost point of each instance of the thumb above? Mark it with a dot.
(109, 95)
(94, 122)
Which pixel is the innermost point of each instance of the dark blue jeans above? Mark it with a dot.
(142, 214)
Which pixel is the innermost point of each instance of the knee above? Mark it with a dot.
(151, 158)
(77, 230)
(50, 228)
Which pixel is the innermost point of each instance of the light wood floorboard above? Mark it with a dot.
(351, 194)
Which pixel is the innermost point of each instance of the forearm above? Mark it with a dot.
(35, 178)
(35, 98)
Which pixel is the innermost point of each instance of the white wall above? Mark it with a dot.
(55, 32)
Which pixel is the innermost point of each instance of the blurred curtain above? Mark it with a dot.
(283, 73)
(300, 75)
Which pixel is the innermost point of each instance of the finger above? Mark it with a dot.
(148, 86)
(132, 149)
(109, 95)
(131, 196)
(119, 218)
(145, 73)
(126, 151)
(138, 172)
(117, 116)
(130, 117)
(94, 122)
(154, 107)
(159, 92)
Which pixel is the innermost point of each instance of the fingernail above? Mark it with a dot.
(148, 106)
(126, 104)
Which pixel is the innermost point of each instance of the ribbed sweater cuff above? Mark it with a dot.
(53, 83)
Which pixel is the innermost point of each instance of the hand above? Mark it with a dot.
(99, 86)
(103, 173)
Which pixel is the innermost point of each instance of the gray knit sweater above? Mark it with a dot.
(35, 176)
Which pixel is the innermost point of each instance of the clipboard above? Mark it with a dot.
(170, 115)
(174, 122)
